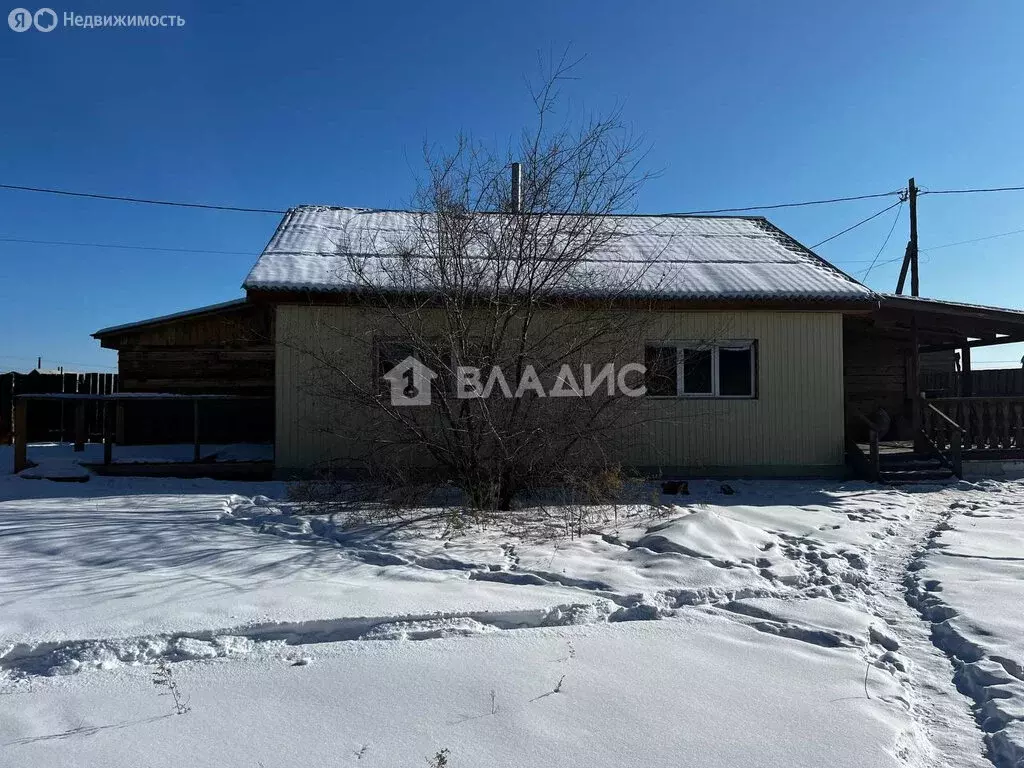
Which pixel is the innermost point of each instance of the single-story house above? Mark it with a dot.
(799, 358)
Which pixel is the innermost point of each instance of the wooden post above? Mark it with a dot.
(875, 467)
(966, 379)
(903, 271)
(20, 434)
(914, 374)
(915, 283)
(108, 432)
(119, 424)
(195, 431)
(957, 454)
(79, 426)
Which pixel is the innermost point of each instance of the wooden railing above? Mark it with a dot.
(944, 435)
(989, 424)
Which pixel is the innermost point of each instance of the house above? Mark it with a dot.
(781, 363)
(768, 400)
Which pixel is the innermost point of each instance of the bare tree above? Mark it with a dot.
(512, 280)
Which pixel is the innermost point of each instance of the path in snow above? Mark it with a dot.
(967, 581)
(943, 713)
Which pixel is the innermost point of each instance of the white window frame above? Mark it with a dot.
(714, 347)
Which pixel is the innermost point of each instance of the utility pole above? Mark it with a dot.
(915, 284)
(910, 256)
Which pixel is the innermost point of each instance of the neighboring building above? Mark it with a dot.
(224, 349)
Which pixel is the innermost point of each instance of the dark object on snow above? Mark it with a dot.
(673, 487)
(727, 489)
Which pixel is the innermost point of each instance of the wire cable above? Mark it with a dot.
(787, 205)
(124, 247)
(974, 240)
(125, 199)
(862, 221)
(213, 207)
(969, 191)
(885, 242)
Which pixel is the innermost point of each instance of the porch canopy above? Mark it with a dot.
(985, 426)
(947, 325)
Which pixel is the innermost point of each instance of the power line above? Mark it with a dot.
(885, 242)
(970, 191)
(125, 199)
(124, 247)
(862, 221)
(975, 240)
(787, 205)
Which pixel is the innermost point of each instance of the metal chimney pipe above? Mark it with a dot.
(517, 188)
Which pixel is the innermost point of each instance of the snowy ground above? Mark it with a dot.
(770, 627)
(968, 580)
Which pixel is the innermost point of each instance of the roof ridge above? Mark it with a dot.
(360, 209)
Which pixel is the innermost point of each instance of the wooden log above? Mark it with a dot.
(20, 435)
(80, 426)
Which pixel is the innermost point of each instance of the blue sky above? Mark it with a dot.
(272, 105)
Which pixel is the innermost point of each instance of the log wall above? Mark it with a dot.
(227, 352)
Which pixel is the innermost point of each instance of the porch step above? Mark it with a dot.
(914, 475)
(911, 468)
(918, 462)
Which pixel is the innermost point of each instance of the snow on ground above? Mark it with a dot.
(698, 692)
(764, 627)
(969, 582)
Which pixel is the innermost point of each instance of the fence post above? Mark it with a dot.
(20, 434)
(79, 426)
(195, 431)
(108, 432)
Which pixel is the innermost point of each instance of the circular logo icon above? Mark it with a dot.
(20, 20)
(45, 19)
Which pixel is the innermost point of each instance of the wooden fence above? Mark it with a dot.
(142, 422)
(53, 421)
(992, 382)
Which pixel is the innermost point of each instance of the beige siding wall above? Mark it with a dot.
(794, 425)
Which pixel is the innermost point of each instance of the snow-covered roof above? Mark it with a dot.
(208, 309)
(325, 249)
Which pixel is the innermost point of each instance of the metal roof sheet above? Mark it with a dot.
(318, 249)
(210, 308)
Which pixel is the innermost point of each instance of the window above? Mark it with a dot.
(388, 354)
(432, 352)
(699, 369)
